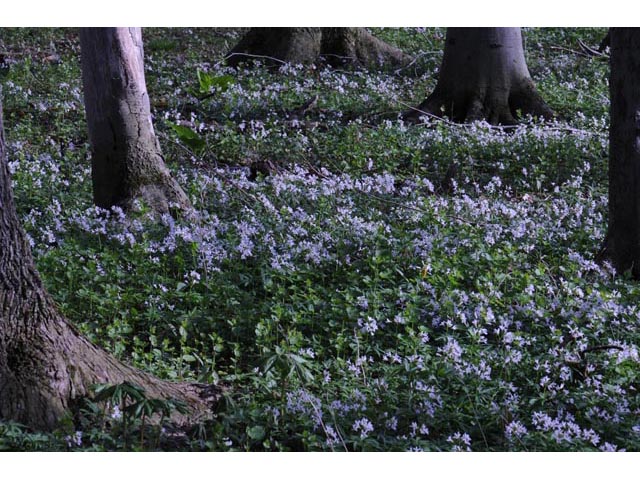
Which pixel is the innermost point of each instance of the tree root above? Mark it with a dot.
(482, 105)
(44, 374)
(336, 46)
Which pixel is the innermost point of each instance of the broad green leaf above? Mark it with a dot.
(189, 137)
(207, 82)
(256, 432)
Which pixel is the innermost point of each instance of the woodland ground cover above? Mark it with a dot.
(358, 283)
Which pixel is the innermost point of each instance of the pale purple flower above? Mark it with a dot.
(363, 426)
(514, 429)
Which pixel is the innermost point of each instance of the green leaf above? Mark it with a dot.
(207, 82)
(256, 433)
(183, 332)
(135, 392)
(269, 363)
(188, 136)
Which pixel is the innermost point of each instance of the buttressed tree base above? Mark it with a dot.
(45, 364)
(338, 46)
(483, 76)
(127, 163)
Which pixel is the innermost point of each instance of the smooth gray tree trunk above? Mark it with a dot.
(483, 76)
(302, 45)
(44, 362)
(622, 243)
(127, 162)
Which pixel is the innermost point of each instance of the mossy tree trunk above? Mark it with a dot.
(483, 76)
(301, 45)
(622, 243)
(127, 162)
(44, 362)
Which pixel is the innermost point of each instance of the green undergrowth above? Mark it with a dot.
(357, 283)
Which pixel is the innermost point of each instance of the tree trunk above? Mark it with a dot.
(44, 363)
(293, 45)
(126, 159)
(622, 243)
(338, 46)
(483, 76)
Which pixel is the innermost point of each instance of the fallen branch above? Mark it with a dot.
(586, 50)
(575, 52)
(251, 55)
(590, 51)
(467, 126)
(415, 59)
(602, 347)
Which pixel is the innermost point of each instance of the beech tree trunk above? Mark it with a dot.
(622, 243)
(44, 362)
(338, 46)
(127, 162)
(483, 76)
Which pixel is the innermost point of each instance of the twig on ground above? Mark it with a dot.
(591, 51)
(466, 126)
(568, 50)
(602, 347)
(415, 59)
(251, 55)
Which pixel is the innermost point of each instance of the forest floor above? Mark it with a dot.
(359, 283)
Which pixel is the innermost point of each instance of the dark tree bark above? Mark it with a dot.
(44, 362)
(127, 162)
(622, 243)
(338, 46)
(483, 76)
(605, 43)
